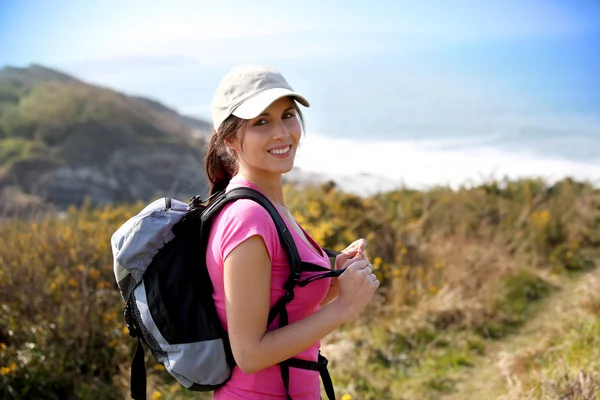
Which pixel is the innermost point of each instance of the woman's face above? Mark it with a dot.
(268, 143)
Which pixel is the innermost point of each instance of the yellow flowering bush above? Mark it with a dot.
(61, 327)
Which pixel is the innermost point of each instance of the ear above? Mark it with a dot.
(231, 146)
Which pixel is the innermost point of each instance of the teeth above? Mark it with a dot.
(282, 151)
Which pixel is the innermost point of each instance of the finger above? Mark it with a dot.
(343, 257)
(357, 246)
(361, 241)
(372, 280)
(351, 261)
(361, 245)
(341, 261)
(358, 264)
(349, 252)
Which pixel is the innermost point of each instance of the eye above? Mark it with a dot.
(289, 114)
(260, 122)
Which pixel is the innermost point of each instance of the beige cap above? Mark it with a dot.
(247, 90)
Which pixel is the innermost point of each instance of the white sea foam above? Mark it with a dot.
(368, 166)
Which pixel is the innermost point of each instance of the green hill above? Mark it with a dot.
(62, 140)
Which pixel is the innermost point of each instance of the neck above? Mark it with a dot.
(270, 185)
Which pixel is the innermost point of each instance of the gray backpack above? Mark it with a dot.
(160, 268)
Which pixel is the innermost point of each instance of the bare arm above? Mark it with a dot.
(332, 293)
(247, 278)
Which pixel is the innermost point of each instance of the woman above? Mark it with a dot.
(257, 128)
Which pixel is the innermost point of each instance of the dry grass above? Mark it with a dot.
(566, 363)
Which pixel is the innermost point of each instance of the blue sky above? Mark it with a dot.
(63, 31)
(504, 56)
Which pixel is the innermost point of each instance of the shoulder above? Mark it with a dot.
(243, 219)
(246, 210)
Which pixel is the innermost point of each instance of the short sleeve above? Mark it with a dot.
(243, 219)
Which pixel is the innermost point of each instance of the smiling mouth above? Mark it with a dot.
(280, 152)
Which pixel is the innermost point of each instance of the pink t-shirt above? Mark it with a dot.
(237, 222)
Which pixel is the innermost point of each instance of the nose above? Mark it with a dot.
(280, 130)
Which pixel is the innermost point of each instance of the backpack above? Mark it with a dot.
(160, 269)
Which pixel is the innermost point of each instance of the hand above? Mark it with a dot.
(355, 251)
(357, 286)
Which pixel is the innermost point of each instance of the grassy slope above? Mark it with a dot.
(555, 352)
(563, 337)
(39, 107)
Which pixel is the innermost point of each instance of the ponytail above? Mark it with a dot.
(220, 166)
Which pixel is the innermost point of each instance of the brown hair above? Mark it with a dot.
(221, 165)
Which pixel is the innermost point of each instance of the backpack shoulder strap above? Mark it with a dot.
(283, 232)
(251, 194)
(332, 253)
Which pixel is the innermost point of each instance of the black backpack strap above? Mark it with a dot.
(296, 268)
(138, 373)
(138, 367)
(330, 274)
(282, 231)
(321, 366)
(332, 253)
(326, 273)
(325, 377)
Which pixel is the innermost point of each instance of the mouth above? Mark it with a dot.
(281, 151)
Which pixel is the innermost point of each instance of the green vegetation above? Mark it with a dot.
(15, 149)
(462, 271)
(41, 110)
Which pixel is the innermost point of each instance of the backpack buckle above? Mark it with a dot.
(196, 202)
(133, 331)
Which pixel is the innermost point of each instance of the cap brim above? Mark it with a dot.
(255, 105)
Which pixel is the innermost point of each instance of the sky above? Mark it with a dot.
(507, 71)
(66, 31)
(490, 47)
(490, 39)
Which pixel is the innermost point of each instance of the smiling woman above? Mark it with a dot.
(257, 128)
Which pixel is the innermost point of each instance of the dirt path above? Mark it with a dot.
(503, 360)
